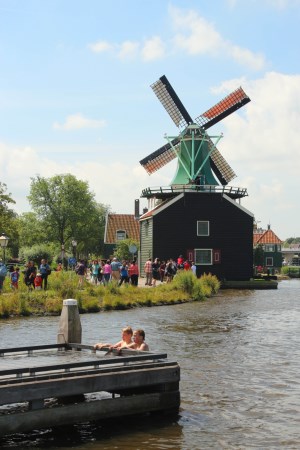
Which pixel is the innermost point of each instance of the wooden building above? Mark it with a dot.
(271, 248)
(206, 226)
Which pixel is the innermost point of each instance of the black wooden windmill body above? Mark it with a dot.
(200, 164)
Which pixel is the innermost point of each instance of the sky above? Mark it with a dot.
(75, 95)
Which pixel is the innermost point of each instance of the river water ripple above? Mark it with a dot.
(240, 362)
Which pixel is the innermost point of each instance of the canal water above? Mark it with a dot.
(240, 363)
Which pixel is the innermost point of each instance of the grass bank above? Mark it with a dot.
(63, 285)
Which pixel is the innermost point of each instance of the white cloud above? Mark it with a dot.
(261, 143)
(153, 49)
(128, 50)
(78, 121)
(100, 47)
(201, 37)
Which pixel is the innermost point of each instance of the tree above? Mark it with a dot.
(258, 255)
(32, 230)
(122, 249)
(8, 219)
(68, 210)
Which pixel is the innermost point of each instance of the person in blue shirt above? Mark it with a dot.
(124, 273)
(44, 271)
(3, 272)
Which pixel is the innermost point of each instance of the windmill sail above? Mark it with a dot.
(219, 165)
(160, 157)
(224, 108)
(171, 102)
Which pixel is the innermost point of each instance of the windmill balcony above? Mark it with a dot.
(164, 192)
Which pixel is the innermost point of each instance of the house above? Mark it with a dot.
(271, 246)
(291, 255)
(207, 226)
(117, 228)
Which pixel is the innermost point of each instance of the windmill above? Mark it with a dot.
(199, 161)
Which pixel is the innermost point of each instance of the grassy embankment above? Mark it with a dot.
(63, 285)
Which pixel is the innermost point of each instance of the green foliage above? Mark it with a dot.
(8, 221)
(32, 230)
(122, 249)
(258, 255)
(63, 285)
(291, 271)
(68, 210)
(210, 281)
(185, 280)
(291, 240)
(36, 253)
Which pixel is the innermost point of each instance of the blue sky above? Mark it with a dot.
(75, 94)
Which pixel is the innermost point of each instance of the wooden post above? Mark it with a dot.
(69, 323)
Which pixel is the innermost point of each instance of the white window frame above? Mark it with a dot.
(203, 221)
(206, 263)
(269, 248)
(118, 238)
(268, 259)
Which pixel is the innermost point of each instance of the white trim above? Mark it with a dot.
(211, 257)
(238, 205)
(159, 208)
(208, 228)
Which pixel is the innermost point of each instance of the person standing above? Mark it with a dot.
(134, 273)
(44, 271)
(155, 271)
(30, 274)
(80, 269)
(95, 271)
(14, 276)
(194, 268)
(148, 272)
(124, 273)
(106, 272)
(3, 273)
(115, 269)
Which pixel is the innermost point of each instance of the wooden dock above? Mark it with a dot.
(53, 385)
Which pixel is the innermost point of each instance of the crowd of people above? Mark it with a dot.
(164, 271)
(103, 272)
(34, 278)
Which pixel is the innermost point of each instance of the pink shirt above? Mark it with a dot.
(107, 268)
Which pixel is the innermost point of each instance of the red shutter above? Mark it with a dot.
(217, 256)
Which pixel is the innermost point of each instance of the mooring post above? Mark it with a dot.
(69, 323)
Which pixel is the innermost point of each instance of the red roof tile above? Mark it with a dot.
(266, 237)
(125, 222)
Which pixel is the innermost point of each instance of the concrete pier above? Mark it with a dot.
(33, 380)
(69, 323)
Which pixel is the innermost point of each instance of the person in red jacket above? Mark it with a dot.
(133, 273)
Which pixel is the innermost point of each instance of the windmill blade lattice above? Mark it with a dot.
(224, 108)
(160, 157)
(171, 102)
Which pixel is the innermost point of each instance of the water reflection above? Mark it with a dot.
(240, 360)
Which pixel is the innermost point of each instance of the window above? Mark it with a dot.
(278, 247)
(203, 256)
(202, 228)
(269, 262)
(121, 235)
(269, 248)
